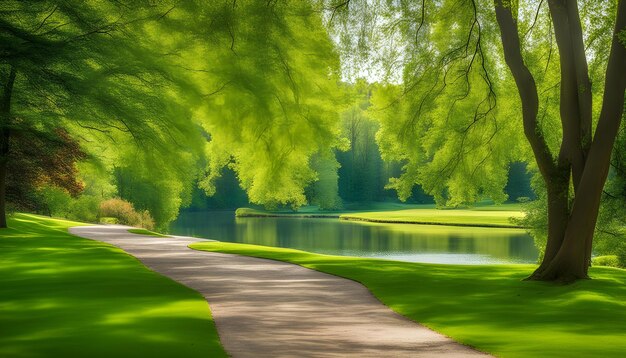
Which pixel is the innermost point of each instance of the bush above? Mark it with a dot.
(54, 201)
(84, 208)
(108, 220)
(125, 213)
(607, 260)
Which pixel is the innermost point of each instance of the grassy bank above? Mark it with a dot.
(315, 212)
(146, 232)
(258, 213)
(488, 307)
(64, 296)
(486, 216)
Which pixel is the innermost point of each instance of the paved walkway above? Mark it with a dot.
(265, 308)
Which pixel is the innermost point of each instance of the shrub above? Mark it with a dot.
(84, 208)
(607, 260)
(54, 201)
(125, 213)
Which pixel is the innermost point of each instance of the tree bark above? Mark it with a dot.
(576, 100)
(5, 134)
(572, 260)
(558, 217)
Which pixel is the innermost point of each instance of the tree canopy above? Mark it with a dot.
(300, 100)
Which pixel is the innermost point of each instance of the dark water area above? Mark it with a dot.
(403, 242)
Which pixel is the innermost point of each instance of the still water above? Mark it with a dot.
(404, 242)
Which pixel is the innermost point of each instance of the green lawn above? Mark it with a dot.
(64, 296)
(483, 215)
(305, 213)
(314, 211)
(487, 216)
(488, 307)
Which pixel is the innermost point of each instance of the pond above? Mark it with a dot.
(404, 242)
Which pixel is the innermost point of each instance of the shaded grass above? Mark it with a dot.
(488, 216)
(146, 232)
(487, 307)
(65, 296)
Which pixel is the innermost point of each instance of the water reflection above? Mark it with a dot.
(405, 242)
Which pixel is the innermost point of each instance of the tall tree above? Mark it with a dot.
(450, 118)
(87, 66)
(269, 94)
(584, 156)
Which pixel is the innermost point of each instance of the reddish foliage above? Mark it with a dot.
(41, 158)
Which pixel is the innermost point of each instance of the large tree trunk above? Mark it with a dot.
(558, 217)
(574, 257)
(3, 181)
(570, 232)
(5, 133)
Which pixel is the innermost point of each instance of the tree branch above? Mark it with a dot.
(526, 87)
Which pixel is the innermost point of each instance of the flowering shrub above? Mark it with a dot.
(126, 214)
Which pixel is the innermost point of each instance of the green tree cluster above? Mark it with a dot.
(448, 110)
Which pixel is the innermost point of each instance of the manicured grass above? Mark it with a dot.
(145, 232)
(487, 307)
(64, 296)
(487, 216)
(483, 215)
(314, 211)
(255, 213)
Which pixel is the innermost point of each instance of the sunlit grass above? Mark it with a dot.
(483, 215)
(488, 216)
(64, 296)
(145, 232)
(306, 212)
(488, 307)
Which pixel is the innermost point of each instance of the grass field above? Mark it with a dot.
(64, 296)
(487, 307)
(484, 216)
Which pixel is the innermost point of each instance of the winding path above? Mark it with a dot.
(265, 308)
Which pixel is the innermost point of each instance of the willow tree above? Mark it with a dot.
(584, 156)
(452, 117)
(86, 66)
(268, 92)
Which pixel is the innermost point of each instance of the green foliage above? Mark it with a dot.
(125, 213)
(269, 94)
(325, 190)
(607, 260)
(492, 313)
(610, 234)
(54, 200)
(94, 69)
(84, 208)
(444, 121)
(57, 202)
(363, 174)
(162, 194)
(62, 294)
(449, 116)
